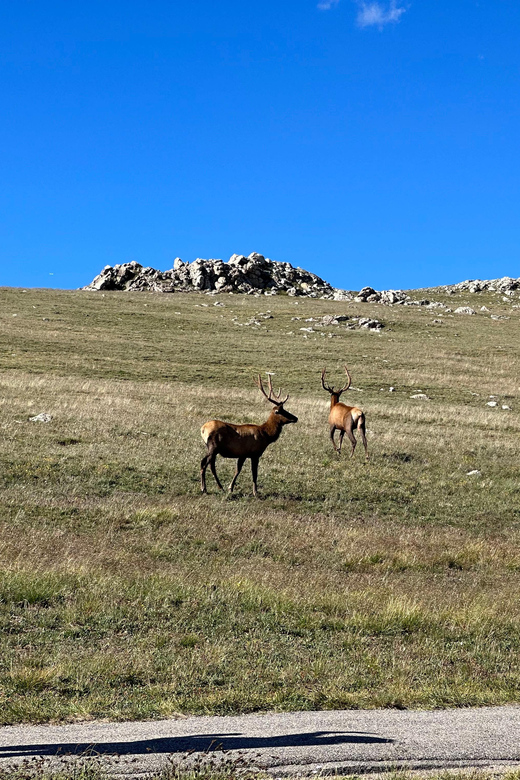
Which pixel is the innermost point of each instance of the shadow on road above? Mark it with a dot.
(198, 743)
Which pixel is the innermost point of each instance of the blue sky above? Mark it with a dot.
(370, 142)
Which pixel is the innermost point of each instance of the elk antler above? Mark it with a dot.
(346, 387)
(331, 389)
(273, 397)
(325, 387)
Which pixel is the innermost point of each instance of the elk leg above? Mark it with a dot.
(240, 463)
(341, 435)
(348, 431)
(332, 432)
(361, 429)
(203, 466)
(212, 459)
(254, 472)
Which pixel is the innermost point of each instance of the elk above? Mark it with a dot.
(244, 441)
(344, 418)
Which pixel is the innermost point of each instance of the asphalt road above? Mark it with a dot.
(288, 743)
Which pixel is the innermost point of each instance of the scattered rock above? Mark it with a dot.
(464, 310)
(389, 297)
(366, 322)
(43, 417)
(255, 320)
(366, 294)
(333, 319)
(420, 397)
(474, 473)
(492, 403)
(342, 295)
(506, 408)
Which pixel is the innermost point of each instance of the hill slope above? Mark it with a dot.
(124, 593)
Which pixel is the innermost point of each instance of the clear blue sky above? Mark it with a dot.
(372, 143)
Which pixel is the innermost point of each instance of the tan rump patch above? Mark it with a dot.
(356, 414)
(204, 432)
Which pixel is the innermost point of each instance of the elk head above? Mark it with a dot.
(331, 390)
(282, 415)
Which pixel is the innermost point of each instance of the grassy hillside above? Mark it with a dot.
(124, 593)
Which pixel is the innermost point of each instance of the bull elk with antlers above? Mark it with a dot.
(243, 441)
(344, 418)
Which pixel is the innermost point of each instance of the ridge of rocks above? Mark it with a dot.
(257, 274)
(505, 285)
(253, 274)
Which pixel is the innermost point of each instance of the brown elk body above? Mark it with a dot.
(343, 418)
(243, 441)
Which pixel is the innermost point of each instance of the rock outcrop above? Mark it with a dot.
(506, 285)
(257, 274)
(369, 295)
(253, 274)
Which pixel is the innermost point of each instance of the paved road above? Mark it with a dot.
(289, 743)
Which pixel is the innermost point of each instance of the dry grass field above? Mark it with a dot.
(213, 767)
(124, 593)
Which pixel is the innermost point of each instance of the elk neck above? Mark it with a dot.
(273, 426)
(334, 399)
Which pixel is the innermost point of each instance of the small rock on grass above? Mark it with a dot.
(366, 322)
(474, 473)
(43, 417)
(420, 397)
